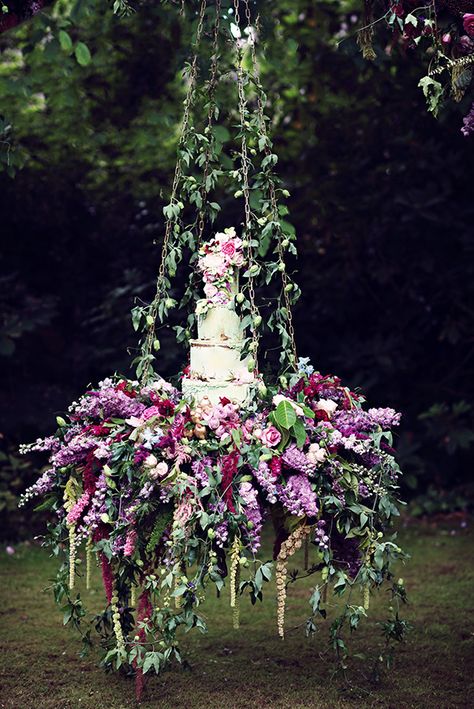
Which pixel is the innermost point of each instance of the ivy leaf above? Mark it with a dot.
(285, 415)
(433, 92)
(83, 54)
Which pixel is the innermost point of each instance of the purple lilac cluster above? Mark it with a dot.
(97, 508)
(266, 479)
(355, 421)
(105, 402)
(320, 536)
(74, 452)
(297, 460)
(298, 497)
(41, 445)
(253, 513)
(199, 470)
(42, 486)
(468, 123)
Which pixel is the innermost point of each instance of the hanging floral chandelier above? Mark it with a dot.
(168, 488)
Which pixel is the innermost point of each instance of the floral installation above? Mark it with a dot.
(218, 261)
(160, 491)
(444, 32)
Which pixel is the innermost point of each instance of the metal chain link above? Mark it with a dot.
(246, 191)
(271, 182)
(210, 118)
(188, 104)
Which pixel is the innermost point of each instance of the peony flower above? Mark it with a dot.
(468, 23)
(214, 263)
(326, 405)
(271, 437)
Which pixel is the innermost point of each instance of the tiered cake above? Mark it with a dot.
(216, 368)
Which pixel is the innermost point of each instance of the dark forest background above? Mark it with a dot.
(381, 199)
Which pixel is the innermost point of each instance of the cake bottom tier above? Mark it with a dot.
(215, 390)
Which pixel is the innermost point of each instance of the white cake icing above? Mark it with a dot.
(216, 369)
(219, 322)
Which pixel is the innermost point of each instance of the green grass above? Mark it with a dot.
(251, 667)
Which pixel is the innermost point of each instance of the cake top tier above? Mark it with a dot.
(219, 261)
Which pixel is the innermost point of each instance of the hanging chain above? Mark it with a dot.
(246, 192)
(271, 182)
(210, 117)
(161, 280)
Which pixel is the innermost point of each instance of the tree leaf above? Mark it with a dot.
(285, 415)
(65, 41)
(82, 54)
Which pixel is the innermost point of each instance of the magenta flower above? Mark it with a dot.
(468, 23)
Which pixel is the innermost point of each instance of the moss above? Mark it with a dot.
(252, 667)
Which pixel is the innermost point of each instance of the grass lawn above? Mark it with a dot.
(252, 667)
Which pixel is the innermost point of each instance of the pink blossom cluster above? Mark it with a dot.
(218, 261)
(222, 418)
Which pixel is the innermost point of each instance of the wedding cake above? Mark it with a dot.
(216, 368)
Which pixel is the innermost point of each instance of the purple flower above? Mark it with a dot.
(468, 123)
(298, 497)
(297, 460)
(199, 470)
(105, 402)
(253, 513)
(385, 418)
(266, 478)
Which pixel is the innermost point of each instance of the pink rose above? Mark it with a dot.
(210, 290)
(468, 23)
(228, 249)
(271, 437)
(151, 411)
(239, 259)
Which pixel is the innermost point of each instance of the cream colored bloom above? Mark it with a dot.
(316, 454)
(326, 405)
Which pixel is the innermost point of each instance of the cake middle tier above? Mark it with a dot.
(217, 360)
(219, 323)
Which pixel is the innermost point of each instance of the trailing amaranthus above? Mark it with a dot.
(366, 597)
(234, 581)
(116, 623)
(88, 563)
(288, 548)
(70, 498)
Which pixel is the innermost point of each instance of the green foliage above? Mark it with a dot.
(380, 199)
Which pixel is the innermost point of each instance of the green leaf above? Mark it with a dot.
(83, 54)
(299, 431)
(65, 41)
(285, 415)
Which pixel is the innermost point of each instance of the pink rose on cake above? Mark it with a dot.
(210, 291)
(228, 249)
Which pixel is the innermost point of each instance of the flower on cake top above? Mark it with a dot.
(218, 260)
